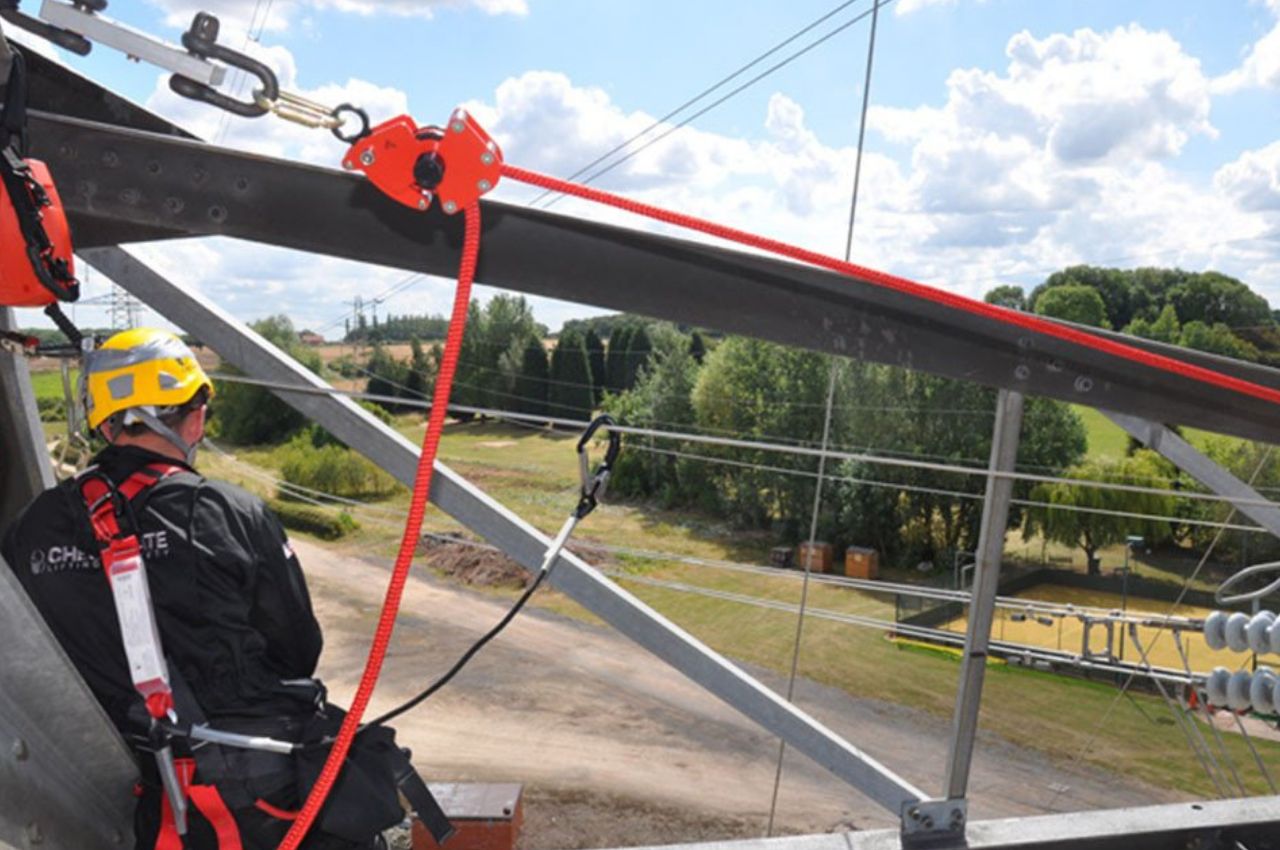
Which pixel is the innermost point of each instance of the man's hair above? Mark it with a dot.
(171, 417)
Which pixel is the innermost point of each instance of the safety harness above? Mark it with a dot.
(166, 697)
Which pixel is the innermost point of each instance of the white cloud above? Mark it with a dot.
(1070, 116)
(1253, 180)
(906, 7)
(1261, 65)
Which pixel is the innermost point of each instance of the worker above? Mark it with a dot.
(234, 617)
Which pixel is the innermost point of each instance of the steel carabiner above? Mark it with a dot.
(202, 41)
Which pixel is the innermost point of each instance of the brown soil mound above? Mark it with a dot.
(472, 564)
(476, 564)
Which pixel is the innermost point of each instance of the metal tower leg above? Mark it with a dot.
(65, 775)
(473, 508)
(950, 814)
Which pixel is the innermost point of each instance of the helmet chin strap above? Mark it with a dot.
(146, 417)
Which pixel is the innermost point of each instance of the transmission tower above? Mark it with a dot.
(123, 309)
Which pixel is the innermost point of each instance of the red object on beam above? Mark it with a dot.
(414, 165)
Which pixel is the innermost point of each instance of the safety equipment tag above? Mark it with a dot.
(127, 573)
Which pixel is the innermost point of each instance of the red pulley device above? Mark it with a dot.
(36, 264)
(413, 165)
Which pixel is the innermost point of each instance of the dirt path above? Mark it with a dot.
(580, 713)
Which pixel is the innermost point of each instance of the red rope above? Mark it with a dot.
(1026, 321)
(408, 543)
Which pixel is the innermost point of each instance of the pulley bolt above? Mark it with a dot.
(422, 204)
(428, 170)
(457, 126)
(450, 207)
(484, 185)
(486, 158)
(366, 157)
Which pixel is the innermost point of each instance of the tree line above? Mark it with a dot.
(505, 363)
(1207, 311)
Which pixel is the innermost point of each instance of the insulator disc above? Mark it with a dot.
(1216, 686)
(1237, 640)
(1256, 632)
(1215, 630)
(1238, 690)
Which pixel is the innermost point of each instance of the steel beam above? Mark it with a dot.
(1251, 823)
(453, 494)
(1190, 460)
(126, 185)
(986, 585)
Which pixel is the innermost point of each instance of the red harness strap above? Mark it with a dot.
(208, 802)
(126, 572)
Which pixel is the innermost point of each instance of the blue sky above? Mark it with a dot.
(1007, 138)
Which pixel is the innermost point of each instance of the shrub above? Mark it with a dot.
(334, 470)
(313, 520)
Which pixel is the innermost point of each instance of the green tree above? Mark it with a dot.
(1216, 339)
(1167, 327)
(421, 376)
(639, 350)
(387, 377)
(661, 399)
(595, 356)
(762, 390)
(250, 415)
(570, 394)
(1115, 287)
(616, 361)
(1073, 303)
(468, 380)
(1088, 517)
(1211, 297)
(697, 347)
(1009, 296)
(531, 385)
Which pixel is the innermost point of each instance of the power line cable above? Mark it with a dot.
(708, 90)
(733, 93)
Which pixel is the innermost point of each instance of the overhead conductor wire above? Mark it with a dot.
(826, 424)
(699, 96)
(730, 94)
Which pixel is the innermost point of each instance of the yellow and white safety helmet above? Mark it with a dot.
(145, 370)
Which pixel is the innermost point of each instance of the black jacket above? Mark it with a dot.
(229, 594)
